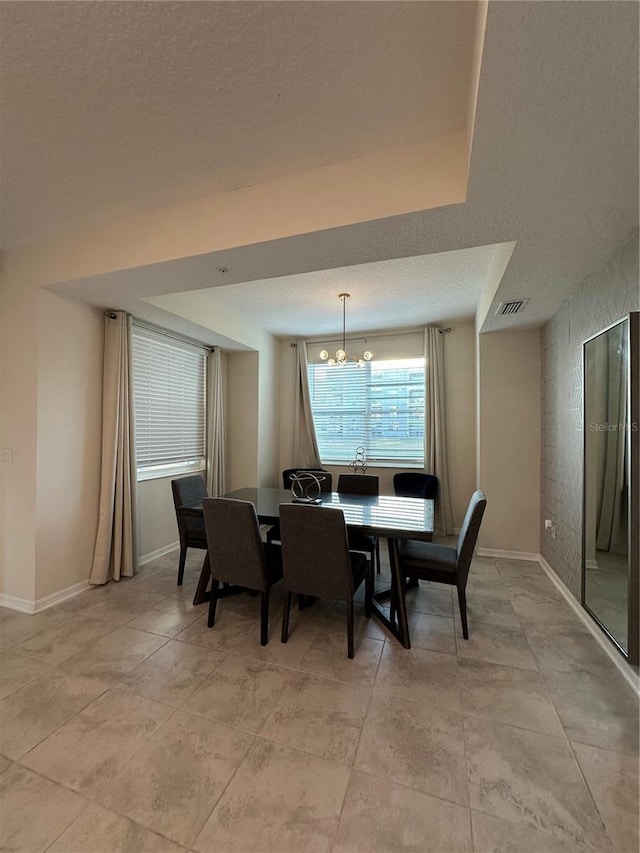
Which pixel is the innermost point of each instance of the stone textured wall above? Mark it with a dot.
(606, 296)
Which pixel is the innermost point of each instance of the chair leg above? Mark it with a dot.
(286, 607)
(183, 559)
(264, 617)
(350, 645)
(462, 601)
(378, 555)
(215, 586)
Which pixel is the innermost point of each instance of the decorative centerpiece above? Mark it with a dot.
(359, 464)
(305, 487)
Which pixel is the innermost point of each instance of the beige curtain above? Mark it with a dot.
(305, 443)
(215, 425)
(115, 554)
(435, 434)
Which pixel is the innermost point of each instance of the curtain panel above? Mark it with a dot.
(435, 432)
(305, 443)
(215, 425)
(116, 551)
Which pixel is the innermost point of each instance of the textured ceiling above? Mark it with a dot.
(401, 292)
(554, 170)
(114, 108)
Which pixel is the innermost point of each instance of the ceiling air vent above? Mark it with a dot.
(512, 307)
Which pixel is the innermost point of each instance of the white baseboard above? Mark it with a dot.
(24, 605)
(507, 555)
(159, 552)
(616, 658)
(27, 605)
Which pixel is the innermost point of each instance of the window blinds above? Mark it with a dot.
(169, 380)
(380, 406)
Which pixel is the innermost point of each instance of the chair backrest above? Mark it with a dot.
(469, 534)
(236, 552)
(326, 484)
(358, 484)
(187, 492)
(315, 551)
(412, 484)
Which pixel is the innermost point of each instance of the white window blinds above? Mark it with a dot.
(380, 406)
(169, 381)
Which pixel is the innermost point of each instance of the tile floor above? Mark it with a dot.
(128, 725)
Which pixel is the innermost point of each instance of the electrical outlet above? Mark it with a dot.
(548, 524)
(6, 458)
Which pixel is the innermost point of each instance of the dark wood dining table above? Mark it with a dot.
(378, 515)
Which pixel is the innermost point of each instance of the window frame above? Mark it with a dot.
(364, 411)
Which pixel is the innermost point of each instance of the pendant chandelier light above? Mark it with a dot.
(341, 356)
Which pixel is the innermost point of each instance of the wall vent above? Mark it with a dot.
(514, 306)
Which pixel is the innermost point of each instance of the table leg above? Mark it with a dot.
(397, 586)
(399, 628)
(201, 590)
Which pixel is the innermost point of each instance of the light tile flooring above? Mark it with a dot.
(126, 724)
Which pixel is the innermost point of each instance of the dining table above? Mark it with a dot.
(386, 516)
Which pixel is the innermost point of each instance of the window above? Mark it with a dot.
(379, 406)
(169, 384)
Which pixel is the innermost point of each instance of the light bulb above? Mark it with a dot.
(331, 361)
(324, 355)
(341, 355)
(367, 355)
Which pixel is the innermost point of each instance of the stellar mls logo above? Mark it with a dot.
(607, 427)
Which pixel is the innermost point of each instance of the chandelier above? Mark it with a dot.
(341, 356)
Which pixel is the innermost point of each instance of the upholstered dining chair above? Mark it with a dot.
(442, 563)
(362, 484)
(238, 556)
(413, 484)
(189, 492)
(326, 483)
(316, 561)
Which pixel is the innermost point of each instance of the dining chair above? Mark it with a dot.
(189, 492)
(413, 484)
(362, 484)
(317, 562)
(238, 556)
(326, 483)
(442, 563)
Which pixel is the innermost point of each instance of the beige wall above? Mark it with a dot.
(69, 437)
(509, 439)
(460, 406)
(18, 413)
(242, 419)
(157, 526)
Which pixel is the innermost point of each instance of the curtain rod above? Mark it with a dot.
(167, 334)
(443, 331)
